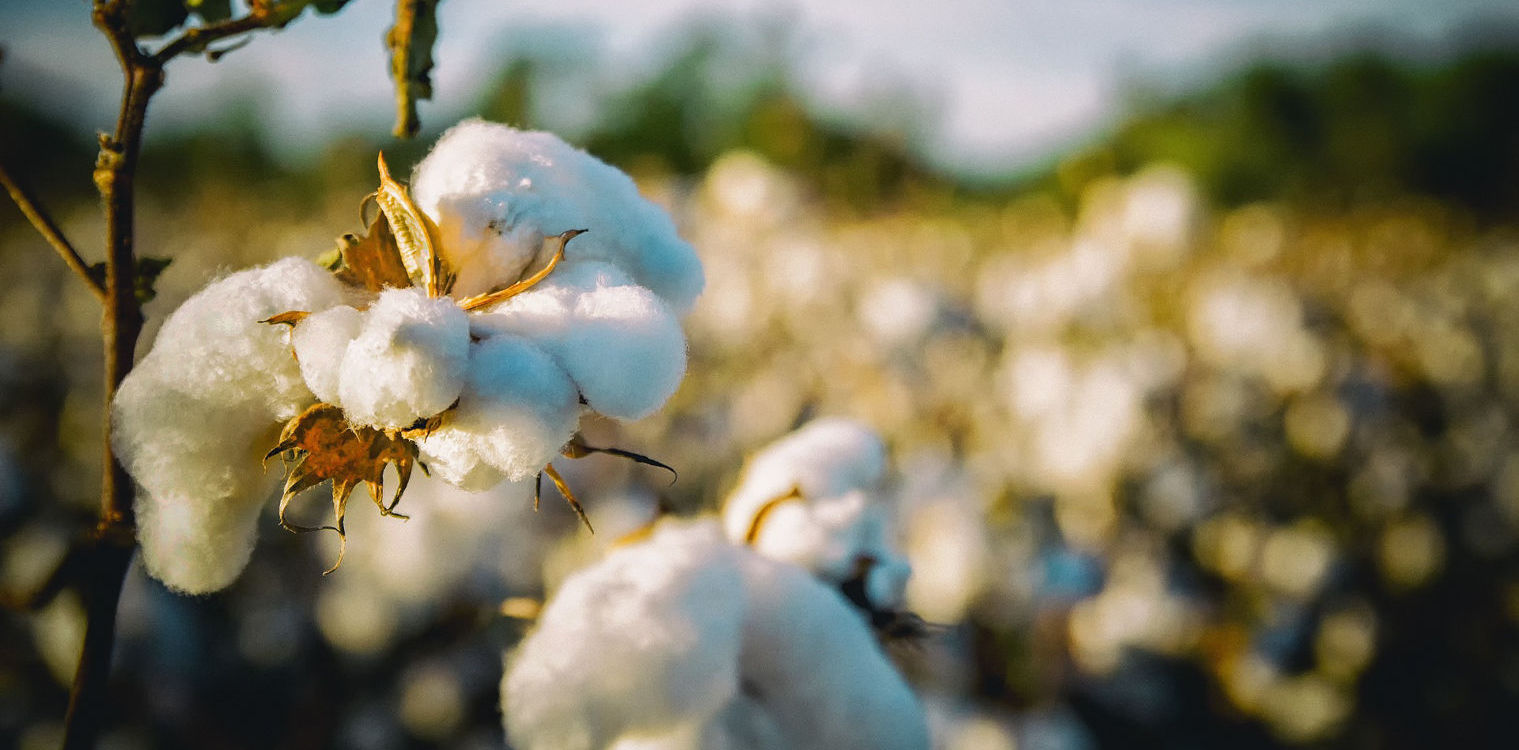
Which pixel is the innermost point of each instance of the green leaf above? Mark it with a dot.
(155, 17)
(148, 270)
(328, 7)
(210, 11)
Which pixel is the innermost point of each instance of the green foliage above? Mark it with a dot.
(143, 281)
(210, 11)
(155, 17)
(1362, 128)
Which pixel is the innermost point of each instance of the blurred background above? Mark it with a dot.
(1193, 328)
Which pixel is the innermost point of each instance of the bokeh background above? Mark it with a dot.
(1193, 328)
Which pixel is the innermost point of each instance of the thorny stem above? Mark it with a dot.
(110, 551)
(50, 232)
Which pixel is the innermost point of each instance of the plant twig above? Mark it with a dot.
(101, 575)
(50, 232)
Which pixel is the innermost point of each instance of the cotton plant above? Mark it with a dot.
(519, 284)
(697, 637)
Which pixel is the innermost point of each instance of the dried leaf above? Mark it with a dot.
(373, 261)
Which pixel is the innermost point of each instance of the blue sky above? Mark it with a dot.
(1010, 80)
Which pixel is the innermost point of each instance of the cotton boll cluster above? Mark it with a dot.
(192, 420)
(496, 192)
(687, 641)
(810, 499)
(485, 392)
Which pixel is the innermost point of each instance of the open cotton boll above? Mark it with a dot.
(320, 341)
(621, 345)
(826, 458)
(192, 420)
(835, 527)
(638, 645)
(686, 641)
(517, 409)
(407, 362)
(496, 192)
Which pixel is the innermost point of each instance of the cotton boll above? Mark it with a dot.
(827, 458)
(496, 192)
(836, 527)
(686, 641)
(638, 645)
(817, 667)
(623, 347)
(517, 409)
(192, 420)
(320, 341)
(408, 361)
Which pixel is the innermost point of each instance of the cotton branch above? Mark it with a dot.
(50, 232)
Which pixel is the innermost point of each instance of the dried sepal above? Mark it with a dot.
(322, 446)
(564, 490)
(286, 318)
(752, 534)
(578, 448)
(373, 261)
(414, 235)
(501, 295)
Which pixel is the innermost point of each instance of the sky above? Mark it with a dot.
(1009, 81)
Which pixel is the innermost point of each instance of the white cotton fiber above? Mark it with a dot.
(817, 669)
(517, 409)
(408, 361)
(496, 192)
(621, 345)
(320, 341)
(837, 527)
(453, 456)
(687, 641)
(193, 419)
(637, 645)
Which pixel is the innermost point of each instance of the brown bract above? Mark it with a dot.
(320, 445)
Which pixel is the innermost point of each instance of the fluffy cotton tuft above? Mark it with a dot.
(620, 344)
(496, 192)
(836, 528)
(320, 341)
(688, 641)
(191, 421)
(516, 411)
(408, 361)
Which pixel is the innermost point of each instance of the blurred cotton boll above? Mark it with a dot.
(688, 641)
(812, 499)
